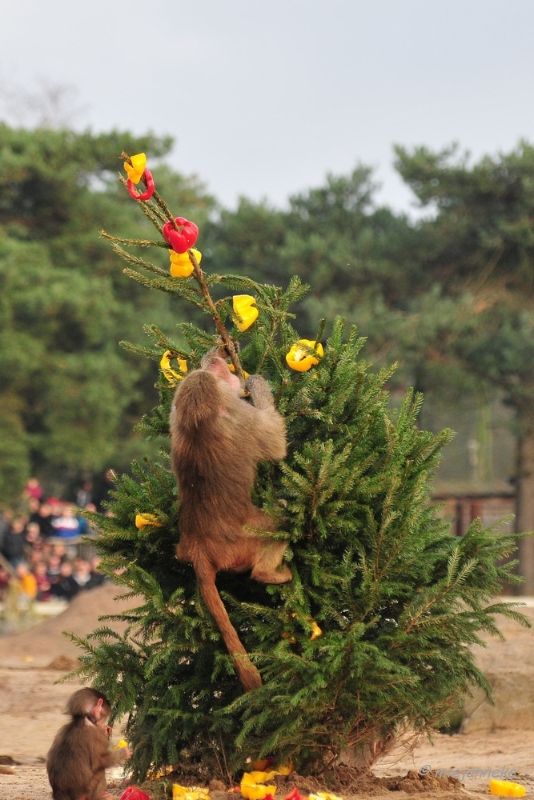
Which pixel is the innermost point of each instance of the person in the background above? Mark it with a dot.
(6, 518)
(59, 549)
(33, 489)
(53, 568)
(33, 539)
(84, 494)
(44, 518)
(97, 578)
(102, 494)
(44, 587)
(15, 542)
(82, 573)
(67, 526)
(27, 583)
(66, 587)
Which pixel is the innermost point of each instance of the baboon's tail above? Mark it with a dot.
(247, 672)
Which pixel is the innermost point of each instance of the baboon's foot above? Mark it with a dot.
(282, 575)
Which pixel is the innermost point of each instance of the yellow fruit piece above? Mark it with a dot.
(507, 789)
(181, 264)
(252, 790)
(316, 631)
(257, 792)
(141, 521)
(245, 310)
(261, 777)
(136, 168)
(286, 769)
(189, 792)
(324, 796)
(299, 359)
(171, 374)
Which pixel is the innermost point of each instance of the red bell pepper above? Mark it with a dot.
(294, 795)
(150, 186)
(181, 240)
(134, 793)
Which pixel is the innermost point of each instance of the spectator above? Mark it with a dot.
(44, 518)
(44, 587)
(6, 518)
(33, 505)
(67, 526)
(84, 494)
(27, 583)
(33, 538)
(33, 489)
(37, 555)
(59, 549)
(102, 494)
(97, 578)
(53, 568)
(66, 587)
(14, 542)
(82, 573)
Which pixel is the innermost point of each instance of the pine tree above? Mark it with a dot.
(373, 634)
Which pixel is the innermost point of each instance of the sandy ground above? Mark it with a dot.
(32, 701)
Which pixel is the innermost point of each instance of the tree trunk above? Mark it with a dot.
(524, 520)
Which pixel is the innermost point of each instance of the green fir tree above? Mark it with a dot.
(372, 636)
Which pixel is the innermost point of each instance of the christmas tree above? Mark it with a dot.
(372, 635)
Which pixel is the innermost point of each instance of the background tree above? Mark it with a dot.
(479, 251)
(69, 394)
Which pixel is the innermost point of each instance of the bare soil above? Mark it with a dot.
(32, 702)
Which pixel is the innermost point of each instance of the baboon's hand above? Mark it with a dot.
(260, 391)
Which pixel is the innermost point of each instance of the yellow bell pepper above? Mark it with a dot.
(301, 361)
(121, 743)
(507, 788)
(260, 777)
(324, 796)
(141, 521)
(245, 310)
(136, 168)
(181, 265)
(189, 792)
(171, 374)
(255, 791)
(286, 769)
(316, 631)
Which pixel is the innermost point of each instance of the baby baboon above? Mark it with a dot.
(80, 753)
(217, 439)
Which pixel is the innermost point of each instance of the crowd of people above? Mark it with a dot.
(44, 550)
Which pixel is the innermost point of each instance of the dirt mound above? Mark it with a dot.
(45, 644)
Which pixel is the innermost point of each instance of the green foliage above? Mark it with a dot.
(399, 601)
(479, 249)
(70, 394)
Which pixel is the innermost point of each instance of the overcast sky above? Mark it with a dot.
(264, 98)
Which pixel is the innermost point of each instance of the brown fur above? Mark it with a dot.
(80, 753)
(217, 440)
